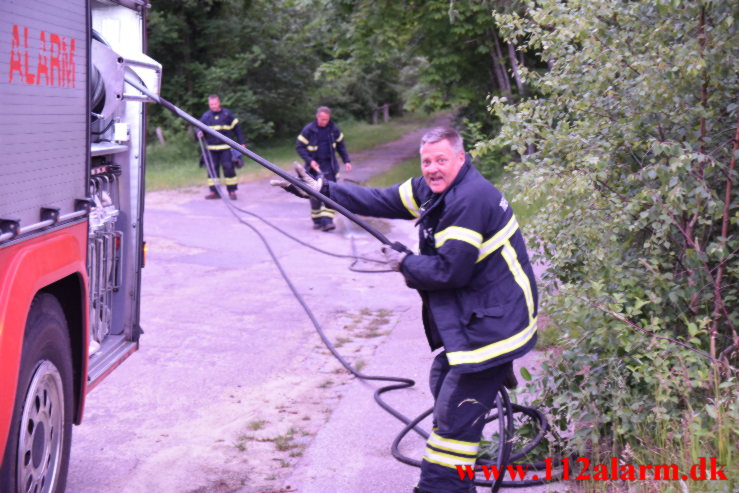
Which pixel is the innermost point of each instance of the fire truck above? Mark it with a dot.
(72, 160)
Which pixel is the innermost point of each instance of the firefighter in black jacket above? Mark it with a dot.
(477, 286)
(223, 121)
(317, 144)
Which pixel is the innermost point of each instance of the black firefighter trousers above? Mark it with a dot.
(222, 158)
(320, 213)
(461, 402)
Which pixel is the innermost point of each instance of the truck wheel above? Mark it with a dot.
(37, 453)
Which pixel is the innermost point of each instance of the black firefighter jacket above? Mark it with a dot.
(306, 146)
(224, 122)
(473, 271)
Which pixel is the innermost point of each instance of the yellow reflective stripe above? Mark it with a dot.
(231, 181)
(509, 254)
(498, 239)
(446, 460)
(302, 139)
(456, 446)
(406, 196)
(217, 127)
(495, 349)
(312, 148)
(326, 212)
(459, 233)
(341, 137)
(213, 181)
(218, 147)
(233, 124)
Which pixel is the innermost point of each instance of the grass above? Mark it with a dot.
(285, 443)
(242, 440)
(397, 174)
(340, 341)
(175, 164)
(257, 424)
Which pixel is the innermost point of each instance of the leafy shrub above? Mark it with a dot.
(634, 154)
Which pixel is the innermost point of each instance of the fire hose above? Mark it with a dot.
(505, 409)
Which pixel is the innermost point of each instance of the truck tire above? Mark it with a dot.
(37, 453)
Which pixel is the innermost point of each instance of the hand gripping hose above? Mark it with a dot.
(505, 409)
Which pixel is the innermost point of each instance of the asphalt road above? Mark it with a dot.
(231, 390)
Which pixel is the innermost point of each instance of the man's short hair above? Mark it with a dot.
(323, 109)
(214, 96)
(443, 133)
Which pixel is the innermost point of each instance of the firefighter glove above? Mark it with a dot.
(289, 187)
(394, 255)
(314, 183)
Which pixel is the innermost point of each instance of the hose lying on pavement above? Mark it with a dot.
(505, 409)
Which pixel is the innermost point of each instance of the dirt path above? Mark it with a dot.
(380, 159)
(231, 383)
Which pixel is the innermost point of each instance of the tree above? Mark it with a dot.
(635, 140)
(437, 54)
(250, 52)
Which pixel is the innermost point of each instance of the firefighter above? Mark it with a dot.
(479, 296)
(222, 120)
(317, 145)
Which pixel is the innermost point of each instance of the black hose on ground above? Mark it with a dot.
(505, 409)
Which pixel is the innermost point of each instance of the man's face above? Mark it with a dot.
(322, 119)
(440, 165)
(214, 104)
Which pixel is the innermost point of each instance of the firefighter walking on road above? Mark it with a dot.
(221, 120)
(317, 145)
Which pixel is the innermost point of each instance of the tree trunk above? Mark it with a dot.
(516, 74)
(498, 67)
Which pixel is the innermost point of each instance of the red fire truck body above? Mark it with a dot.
(72, 158)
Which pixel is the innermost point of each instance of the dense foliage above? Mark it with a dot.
(432, 55)
(257, 55)
(274, 62)
(632, 144)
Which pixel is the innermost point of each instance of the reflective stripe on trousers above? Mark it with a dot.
(461, 402)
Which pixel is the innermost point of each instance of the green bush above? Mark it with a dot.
(634, 156)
